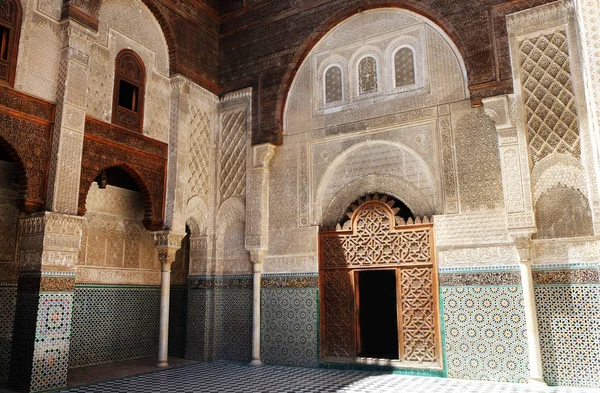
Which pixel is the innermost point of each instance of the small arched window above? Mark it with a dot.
(128, 100)
(10, 28)
(404, 67)
(333, 84)
(367, 75)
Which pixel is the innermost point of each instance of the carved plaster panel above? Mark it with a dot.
(470, 229)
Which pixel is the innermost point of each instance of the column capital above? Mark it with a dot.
(257, 256)
(167, 243)
(522, 242)
(262, 155)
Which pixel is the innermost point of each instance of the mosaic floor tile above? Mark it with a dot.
(485, 333)
(225, 377)
(569, 324)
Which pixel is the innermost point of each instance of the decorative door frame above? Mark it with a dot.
(376, 239)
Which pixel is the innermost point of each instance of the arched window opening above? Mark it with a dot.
(367, 75)
(404, 67)
(128, 102)
(333, 85)
(10, 26)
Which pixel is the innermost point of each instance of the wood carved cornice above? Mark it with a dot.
(26, 125)
(144, 159)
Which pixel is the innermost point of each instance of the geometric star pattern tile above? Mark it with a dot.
(225, 377)
(8, 300)
(569, 323)
(485, 333)
(289, 326)
(219, 324)
(112, 324)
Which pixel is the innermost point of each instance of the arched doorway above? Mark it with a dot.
(379, 288)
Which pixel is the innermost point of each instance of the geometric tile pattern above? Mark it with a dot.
(569, 324)
(485, 333)
(219, 325)
(224, 377)
(289, 327)
(112, 324)
(8, 301)
(40, 354)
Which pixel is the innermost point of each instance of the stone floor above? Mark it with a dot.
(226, 377)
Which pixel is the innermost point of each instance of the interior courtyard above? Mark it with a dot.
(300, 196)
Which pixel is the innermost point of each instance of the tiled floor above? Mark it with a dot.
(225, 377)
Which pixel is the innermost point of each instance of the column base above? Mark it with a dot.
(163, 364)
(538, 382)
(256, 362)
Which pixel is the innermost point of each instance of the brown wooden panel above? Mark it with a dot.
(338, 338)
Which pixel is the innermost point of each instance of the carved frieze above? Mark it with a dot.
(25, 133)
(145, 159)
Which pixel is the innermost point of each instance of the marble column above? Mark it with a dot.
(523, 244)
(257, 263)
(257, 231)
(47, 253)
(167, 243)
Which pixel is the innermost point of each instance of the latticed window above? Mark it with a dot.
(10, 26)
(367, 75)
(333, 84)
(128, 101)
(404, 67)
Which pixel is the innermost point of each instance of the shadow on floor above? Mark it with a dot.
(106, 372)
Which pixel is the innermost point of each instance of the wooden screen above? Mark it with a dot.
(376, 242)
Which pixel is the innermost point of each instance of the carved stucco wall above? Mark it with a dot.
(549, 88)
(130, 24)
(424, 146)
(39, 48)
(478, 164)
(115, 247)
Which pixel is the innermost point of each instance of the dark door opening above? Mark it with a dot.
(378, 321)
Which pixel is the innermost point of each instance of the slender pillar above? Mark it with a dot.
(257, 259)
(165, 298)
(167, 244)
(536, 374)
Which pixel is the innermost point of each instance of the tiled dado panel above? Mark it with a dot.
(485, 328)
(219, 325)
(568, 306)
(289, 325)
(8, 301)
(42, 328)
(112, 324)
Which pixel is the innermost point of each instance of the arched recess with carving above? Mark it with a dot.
(11, 15)
(197, 216)
(149, 205)
(395, 177)
(303, 52)
(231, 236)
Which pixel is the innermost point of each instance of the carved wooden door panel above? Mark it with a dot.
(376, 239)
